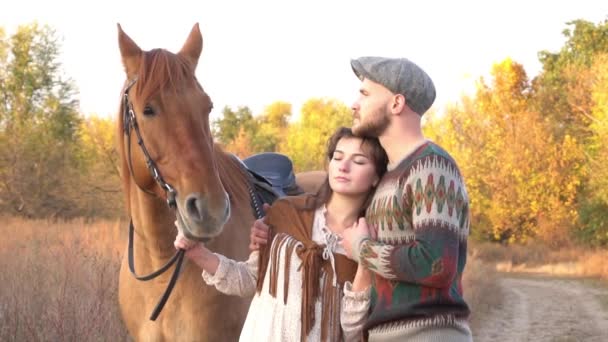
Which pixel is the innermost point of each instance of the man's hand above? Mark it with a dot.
(259, 232)
(354, 234)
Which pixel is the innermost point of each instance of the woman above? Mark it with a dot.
(307, 289)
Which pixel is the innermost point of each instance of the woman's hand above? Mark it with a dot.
(259, 233)
(197, 252)
(182, 242)
(363, 279)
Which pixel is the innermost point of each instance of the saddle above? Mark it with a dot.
(272, 177)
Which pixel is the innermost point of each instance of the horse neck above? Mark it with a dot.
(233, 177)
(234, 239)
(153, 222)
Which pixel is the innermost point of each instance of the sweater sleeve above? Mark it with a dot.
(354, 313)
(434, 209)
(236, 278)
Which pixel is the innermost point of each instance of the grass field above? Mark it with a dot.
(59, 279)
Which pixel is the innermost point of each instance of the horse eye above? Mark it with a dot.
(148, 111)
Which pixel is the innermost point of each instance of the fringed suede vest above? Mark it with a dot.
(288, 218)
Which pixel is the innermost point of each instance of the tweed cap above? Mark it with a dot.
(401, 76)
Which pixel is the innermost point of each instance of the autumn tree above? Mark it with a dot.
(272, 127)
(306, 139)
(241, 145)
(522, 181)
(569, 92)
(594, 203)
(38, 125)
(99, 193)
(562, 92)
(227, 128)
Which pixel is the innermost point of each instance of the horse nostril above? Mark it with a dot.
(195, 207)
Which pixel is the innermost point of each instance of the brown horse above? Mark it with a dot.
(170, 109)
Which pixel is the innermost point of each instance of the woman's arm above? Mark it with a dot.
(355, 304)
(235, 278)
(198, 253)
(228, 276)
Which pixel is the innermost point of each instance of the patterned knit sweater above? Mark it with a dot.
(421, 213)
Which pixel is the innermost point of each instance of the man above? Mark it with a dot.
(419, 213)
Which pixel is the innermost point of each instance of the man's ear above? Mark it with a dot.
(398, 104)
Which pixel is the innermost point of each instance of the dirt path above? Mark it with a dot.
(546, 309)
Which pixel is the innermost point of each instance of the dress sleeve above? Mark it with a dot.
(354, 313)
(235, 278)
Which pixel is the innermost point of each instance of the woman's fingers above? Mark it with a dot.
(258, 235)
(181, 242)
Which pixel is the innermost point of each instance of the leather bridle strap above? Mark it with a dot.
(132, 263)
(130, 123)
(177, 259)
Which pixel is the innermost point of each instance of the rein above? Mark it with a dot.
(130, 124)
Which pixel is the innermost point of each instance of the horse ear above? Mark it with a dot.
(193, 46)
(130, 53)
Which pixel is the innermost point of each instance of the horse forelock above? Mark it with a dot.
(164, 74)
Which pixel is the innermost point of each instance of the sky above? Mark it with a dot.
(258, 52)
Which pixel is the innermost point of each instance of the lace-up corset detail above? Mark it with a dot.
(322, 235)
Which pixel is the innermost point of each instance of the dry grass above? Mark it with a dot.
(59, 280)
(537, 258)
(481, 289)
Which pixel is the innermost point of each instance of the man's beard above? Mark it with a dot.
(374, 125)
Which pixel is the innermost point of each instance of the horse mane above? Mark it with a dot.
(233, 175)
(163, 73)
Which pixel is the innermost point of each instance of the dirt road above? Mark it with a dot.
(545, 309)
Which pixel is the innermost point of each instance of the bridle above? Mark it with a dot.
(130, 124)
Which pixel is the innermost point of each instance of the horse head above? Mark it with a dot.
(167, 147)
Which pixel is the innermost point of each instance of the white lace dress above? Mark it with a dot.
(269, 319)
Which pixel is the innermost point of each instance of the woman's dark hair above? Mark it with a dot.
(377, 156)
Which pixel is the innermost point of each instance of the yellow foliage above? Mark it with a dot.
(241, 145)
(306, 139)
(521, 181)
(599, 126)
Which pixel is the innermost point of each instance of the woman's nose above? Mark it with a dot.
(343, 167)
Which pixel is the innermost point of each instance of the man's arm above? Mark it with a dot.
(440, 224)
(429, 260)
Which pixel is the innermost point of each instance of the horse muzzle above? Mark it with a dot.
(200, 220)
